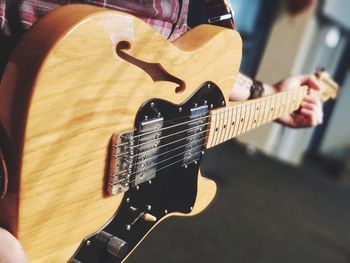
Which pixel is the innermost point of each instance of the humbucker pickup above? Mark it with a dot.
(196, 134)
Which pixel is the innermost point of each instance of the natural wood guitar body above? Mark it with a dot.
(64, 92)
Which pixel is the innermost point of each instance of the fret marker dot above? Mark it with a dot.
(224, 126)
(233, 123)
(242, 120)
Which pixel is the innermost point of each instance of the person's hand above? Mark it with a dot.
(310, 113)
(10, 249)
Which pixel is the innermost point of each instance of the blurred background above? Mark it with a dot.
(279, 42)
(283, 194)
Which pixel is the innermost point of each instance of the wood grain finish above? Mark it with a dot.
(65, 92)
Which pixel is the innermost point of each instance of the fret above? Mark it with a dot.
(284, 104)
(295, 101)
(243, 118)
(260, 110)
(253, 113)
(256, 114)
(288, 107)
(292, 102)
(215, 124)
(276, 107)
(225, 126)
(248, 118)
(281, 107)
(228, 123)
(236, 121)
(212, 124)
(220, 125)
(266, 109)
(232, 122)
(271, 108)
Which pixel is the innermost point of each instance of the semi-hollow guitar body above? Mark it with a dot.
(103, 125)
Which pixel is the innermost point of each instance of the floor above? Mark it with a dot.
(265, 211)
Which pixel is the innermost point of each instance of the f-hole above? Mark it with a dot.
(155, 70)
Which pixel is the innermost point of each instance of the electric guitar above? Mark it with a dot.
(103, 126)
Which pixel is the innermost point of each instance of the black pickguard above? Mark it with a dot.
(173, 189)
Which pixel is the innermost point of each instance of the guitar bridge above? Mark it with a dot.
(121, 163)
(134, 156)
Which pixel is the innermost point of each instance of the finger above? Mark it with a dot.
(314, 101)
(311, 81)
(313, 117)
(310, 119)
(310, 106)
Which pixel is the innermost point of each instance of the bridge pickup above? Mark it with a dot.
(196, 134)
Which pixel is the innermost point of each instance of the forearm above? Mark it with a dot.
(242, 88)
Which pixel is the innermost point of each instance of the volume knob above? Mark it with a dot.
(114, 245)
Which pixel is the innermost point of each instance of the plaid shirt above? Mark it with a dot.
(169, 17)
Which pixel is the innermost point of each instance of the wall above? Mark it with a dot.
(277, 63)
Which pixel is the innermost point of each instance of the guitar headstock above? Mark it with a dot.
(329, 88)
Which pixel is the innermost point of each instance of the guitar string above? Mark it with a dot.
(155, 165)
(164, 160)
(189, 137)
(170, 151)
(165, 166)
(224, 110)
(167, 159)
(174, 157)
(203, 124)
(194, 135)
(266, 99)
(167, 152)
(166, 136)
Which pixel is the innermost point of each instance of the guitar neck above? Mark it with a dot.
(230, 122)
